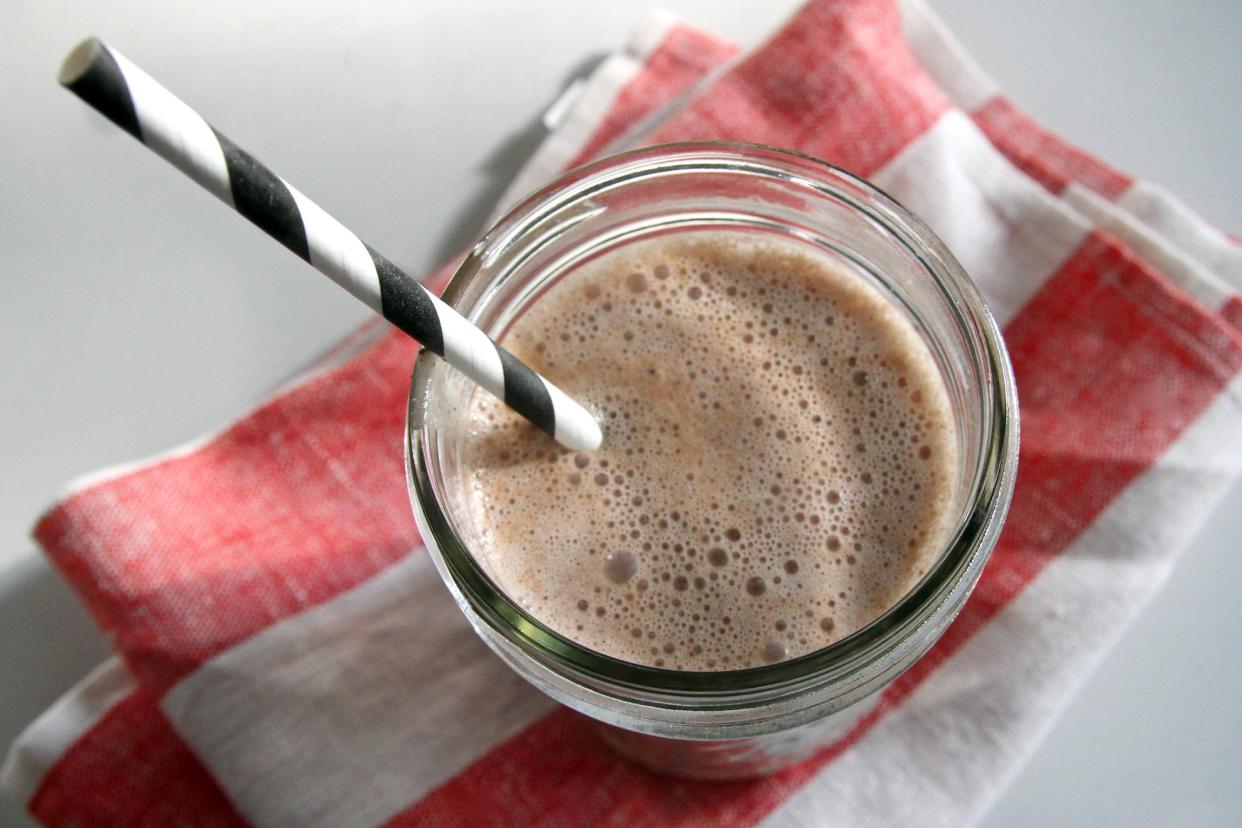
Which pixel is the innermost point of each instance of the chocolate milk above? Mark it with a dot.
(778, 462)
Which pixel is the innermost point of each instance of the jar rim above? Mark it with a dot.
(959, 562)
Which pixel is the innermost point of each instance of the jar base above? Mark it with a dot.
(730, 760)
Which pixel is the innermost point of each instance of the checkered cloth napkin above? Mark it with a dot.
(287, 656)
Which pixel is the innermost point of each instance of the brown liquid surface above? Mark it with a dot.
(777, 464)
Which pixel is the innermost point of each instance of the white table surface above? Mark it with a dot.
(137, 313)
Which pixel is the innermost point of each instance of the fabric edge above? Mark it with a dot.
(943, 56)
(580, 118)
(46, 739)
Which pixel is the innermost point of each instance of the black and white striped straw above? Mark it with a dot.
(131, 99)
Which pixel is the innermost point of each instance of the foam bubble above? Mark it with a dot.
(619, 567)
(776, 469)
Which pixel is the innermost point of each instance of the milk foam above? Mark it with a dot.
(777, 467)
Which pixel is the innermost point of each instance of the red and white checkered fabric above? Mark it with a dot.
(287, 656)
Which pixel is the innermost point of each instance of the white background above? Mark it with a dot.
(137, 313)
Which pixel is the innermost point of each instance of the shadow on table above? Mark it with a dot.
(499, 169)
(47, 644)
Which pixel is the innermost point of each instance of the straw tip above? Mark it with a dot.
(79, 61)
(582, 434)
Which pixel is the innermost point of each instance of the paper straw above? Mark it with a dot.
(134, 101)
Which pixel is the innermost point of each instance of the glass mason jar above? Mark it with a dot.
(746, 722)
